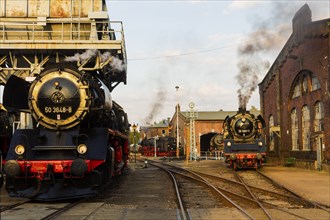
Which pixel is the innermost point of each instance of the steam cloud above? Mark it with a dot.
(115, 63)
(261, 41)
(82, 57)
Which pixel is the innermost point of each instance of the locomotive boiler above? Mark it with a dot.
(58, 72)
(244, 146)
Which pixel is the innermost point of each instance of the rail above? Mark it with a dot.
(201, 179)
(253, 196)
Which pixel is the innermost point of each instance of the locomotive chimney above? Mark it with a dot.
(241, 109)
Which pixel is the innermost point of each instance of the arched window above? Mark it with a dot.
(305, 84)
(318, 117)
(271, 134)
(294, 129)
(315, 83)
(305, 119)
(296, 91)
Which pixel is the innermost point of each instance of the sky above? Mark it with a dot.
(215, 51)
(200, 46)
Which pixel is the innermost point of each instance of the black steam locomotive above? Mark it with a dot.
(244, 146)
(79, 138)
(165, 147)
(5, 136)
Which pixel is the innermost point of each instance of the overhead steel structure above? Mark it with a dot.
(35, 34)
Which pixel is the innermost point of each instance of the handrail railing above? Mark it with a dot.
(60, 31)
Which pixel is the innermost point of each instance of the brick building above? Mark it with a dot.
(295, 94)
(159, 129)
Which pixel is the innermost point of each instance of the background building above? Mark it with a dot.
(159, 129)
(295, 94)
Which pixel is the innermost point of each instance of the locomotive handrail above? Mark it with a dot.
(34, 28)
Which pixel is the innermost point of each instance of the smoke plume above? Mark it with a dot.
(269, 35)
(156, 106)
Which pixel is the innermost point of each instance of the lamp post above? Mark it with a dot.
(156, 138)
(177, 122)
(134, 126)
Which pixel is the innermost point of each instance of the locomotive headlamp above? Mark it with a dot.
(19, 149)
(260, 144)
(232, 157)
(82, 148)
(56, 84)
(228, 144)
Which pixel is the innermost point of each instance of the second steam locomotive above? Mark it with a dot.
(244, 146)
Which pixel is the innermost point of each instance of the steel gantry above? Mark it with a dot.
(192, 116)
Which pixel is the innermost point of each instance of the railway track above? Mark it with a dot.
(36, 210)
(203, 192)
(321, 206)
(204, 195)
(261, 197)
(63, 209)
(4, 208)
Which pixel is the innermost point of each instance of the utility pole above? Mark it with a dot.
(177, 122)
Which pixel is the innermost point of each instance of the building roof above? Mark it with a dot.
(302, 27)
(215, 115)
(162, 124)
(210, 115)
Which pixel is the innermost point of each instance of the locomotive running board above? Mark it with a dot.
(54, 148)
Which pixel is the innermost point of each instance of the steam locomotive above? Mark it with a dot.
(59, 70)
(79, 138)
(165, 146)
(5, 136)
(244, 146)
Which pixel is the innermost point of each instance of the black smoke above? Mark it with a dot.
(157, 105)
(268, 36)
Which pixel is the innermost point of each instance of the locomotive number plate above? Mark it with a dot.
(58, 109)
